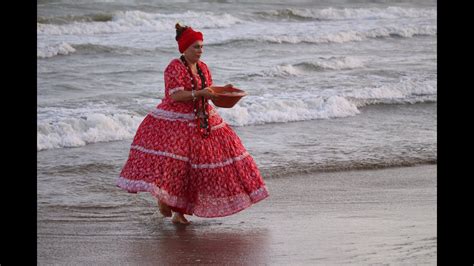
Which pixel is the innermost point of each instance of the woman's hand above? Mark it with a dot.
(206, 93)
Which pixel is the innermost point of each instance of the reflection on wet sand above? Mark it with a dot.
(203, 242)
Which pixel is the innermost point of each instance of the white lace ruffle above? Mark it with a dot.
(186, 159)
(171, 91)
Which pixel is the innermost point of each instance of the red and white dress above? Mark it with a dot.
(206, 177)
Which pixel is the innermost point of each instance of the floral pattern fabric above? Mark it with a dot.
(206, 177)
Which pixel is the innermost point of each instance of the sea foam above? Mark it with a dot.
(263, 109)
(409, 90)
(63, 127)
(61, 48)
(139, 21)
(349, 13)
(320, 64)
(78, 127)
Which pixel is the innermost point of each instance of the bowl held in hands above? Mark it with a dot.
(227, 97)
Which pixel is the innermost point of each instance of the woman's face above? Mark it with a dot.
(194, 51)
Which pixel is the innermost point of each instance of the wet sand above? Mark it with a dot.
(354, 217)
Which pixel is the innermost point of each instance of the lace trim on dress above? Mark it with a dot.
(221, 164)
(171, 91)
(134, 186)
(186, 159)
(221, 125)
(170, 115)
(173, 116)
(161, 153)
(209, 207)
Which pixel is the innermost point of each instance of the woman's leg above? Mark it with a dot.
(164, 209)
(179, 218)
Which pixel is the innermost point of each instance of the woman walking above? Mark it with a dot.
(184, 153)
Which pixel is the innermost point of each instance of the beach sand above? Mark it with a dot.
(354, 217)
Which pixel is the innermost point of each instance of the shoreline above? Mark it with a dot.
(359, 216)
(279, 173)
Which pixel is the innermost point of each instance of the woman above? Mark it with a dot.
(184, 153)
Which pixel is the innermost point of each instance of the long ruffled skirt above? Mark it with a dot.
(206, 177)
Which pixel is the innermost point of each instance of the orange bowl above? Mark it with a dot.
(227, 97)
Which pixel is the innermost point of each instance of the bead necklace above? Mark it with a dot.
(200, 111)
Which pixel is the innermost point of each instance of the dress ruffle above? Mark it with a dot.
(206, 177)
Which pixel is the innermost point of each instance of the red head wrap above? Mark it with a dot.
(188, 37)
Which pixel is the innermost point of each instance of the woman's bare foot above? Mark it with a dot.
(164, 209)
(179, 218)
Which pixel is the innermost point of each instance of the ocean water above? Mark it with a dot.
(332, 85)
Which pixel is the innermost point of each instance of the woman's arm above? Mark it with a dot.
(183, 96)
